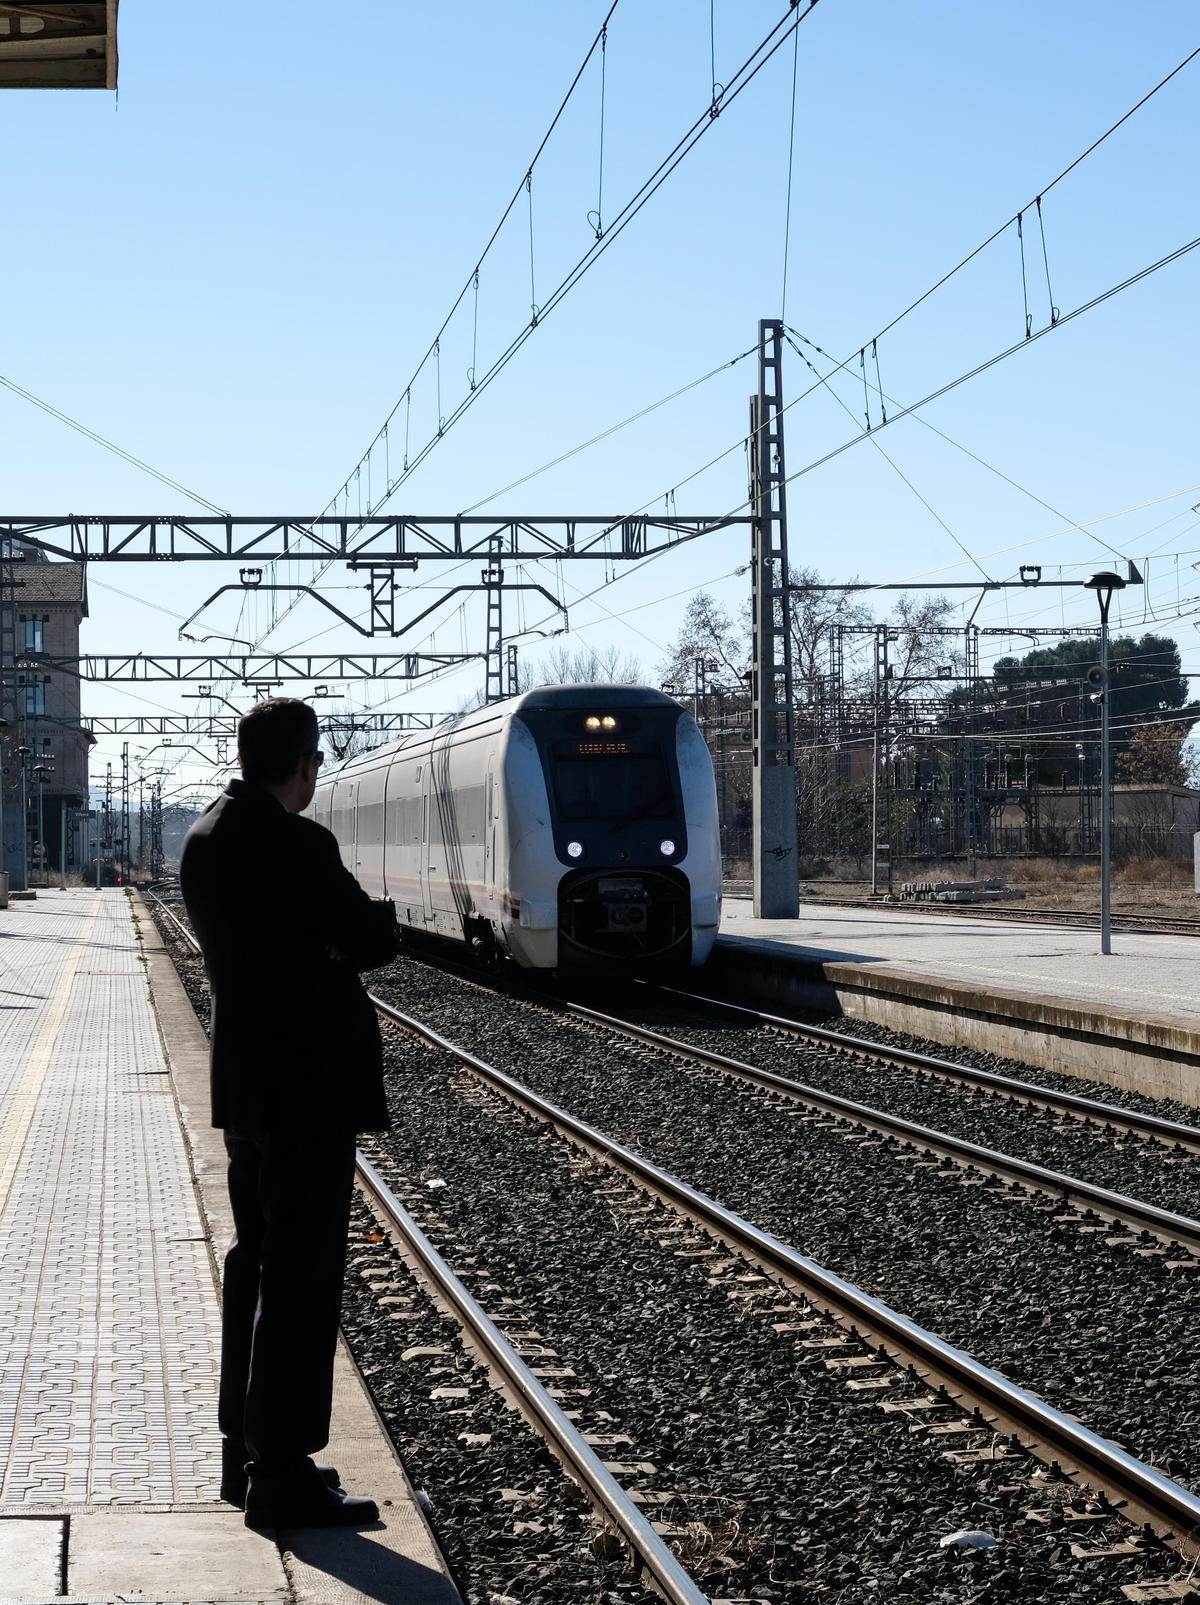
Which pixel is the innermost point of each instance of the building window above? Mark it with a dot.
(35, 698)
(35, 634)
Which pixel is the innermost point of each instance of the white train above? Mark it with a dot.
(569, 826)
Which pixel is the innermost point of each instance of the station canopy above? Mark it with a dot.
(58, 44)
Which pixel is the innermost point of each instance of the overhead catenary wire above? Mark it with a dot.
(754, 63)
(1057, 319)
(594, 440)
(891, 462)
(1041, 194)
(950, 441)
(109, 445)
(1001, 356)
(746, 74)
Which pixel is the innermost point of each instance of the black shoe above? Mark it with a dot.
(233, 1474)
(298, 1496)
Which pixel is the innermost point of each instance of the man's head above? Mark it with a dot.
(279, 749)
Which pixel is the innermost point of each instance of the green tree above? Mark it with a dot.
(1046, 693)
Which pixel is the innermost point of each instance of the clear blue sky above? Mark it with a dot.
(232, 269)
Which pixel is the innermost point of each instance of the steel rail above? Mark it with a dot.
(1090, 1109)
(180, 927)
(1049, 1432)
(651, 1553)
(1118, 1207)
(1074, 919)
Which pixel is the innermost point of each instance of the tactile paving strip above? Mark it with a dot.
(108, 1309)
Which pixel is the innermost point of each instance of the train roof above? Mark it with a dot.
(583, 697)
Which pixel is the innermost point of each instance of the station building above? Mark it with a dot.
(45, 778)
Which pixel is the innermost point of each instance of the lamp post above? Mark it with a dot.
(23, 758)
(3, 845)
(41, 772)
(1104, 584)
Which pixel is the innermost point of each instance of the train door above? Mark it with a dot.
(351, 851)
(489, 833)
(426, 845)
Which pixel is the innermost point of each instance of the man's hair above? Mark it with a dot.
(273, 737)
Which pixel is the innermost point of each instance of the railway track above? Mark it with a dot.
(893, 1348)
(1158, 924)
(1117, 1208)
(1177, 1135)
(650, 1556)
(1179, 1142)
(1049, 1433)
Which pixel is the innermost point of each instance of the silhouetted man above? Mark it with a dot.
(296, 1071)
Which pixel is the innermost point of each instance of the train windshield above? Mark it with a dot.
(607, 783)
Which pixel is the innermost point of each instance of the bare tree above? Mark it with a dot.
(709, 635)
(347, 738)
(921, 649)
(581, 665)
(811, 616)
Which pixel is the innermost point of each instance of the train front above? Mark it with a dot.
(631, 848)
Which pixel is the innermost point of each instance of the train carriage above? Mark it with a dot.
(569, 826)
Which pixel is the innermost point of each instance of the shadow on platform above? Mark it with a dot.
(335, 1563)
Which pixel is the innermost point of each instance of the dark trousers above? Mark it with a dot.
(290, 1193)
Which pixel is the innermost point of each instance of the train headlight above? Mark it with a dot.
(574, 849)
(666, 847)
(608, 722)
(592, 722)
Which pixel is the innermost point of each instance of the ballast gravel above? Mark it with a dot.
(513, 1528)
(787, 1485)
(782, 1482)
(509, 1523)
(1081, 1086)
(1104, 1333)
(1117, 1160)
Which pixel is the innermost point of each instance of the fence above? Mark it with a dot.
(917, 841)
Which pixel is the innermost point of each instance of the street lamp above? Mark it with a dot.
(3, 853)
(23, 753)
(42, 772)
(1104, 584)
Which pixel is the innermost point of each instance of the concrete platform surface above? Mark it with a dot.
(1145, 972)
(1047, 998)
(111, 1204)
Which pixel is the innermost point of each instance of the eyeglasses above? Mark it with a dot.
(319, 756)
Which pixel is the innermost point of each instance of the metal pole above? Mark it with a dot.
(875, 774)
(1106, 795)
(42, 866)
(24, 824)
(126, 842)
(62, 843)
(773, 784)
(969, 779)
(1104, 584)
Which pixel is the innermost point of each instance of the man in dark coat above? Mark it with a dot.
(296, 1072)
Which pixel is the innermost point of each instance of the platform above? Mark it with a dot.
(109, 1301)
(1043, 995)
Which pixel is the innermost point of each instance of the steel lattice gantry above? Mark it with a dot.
(222, 539)
(224, 725)
(251, 668)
